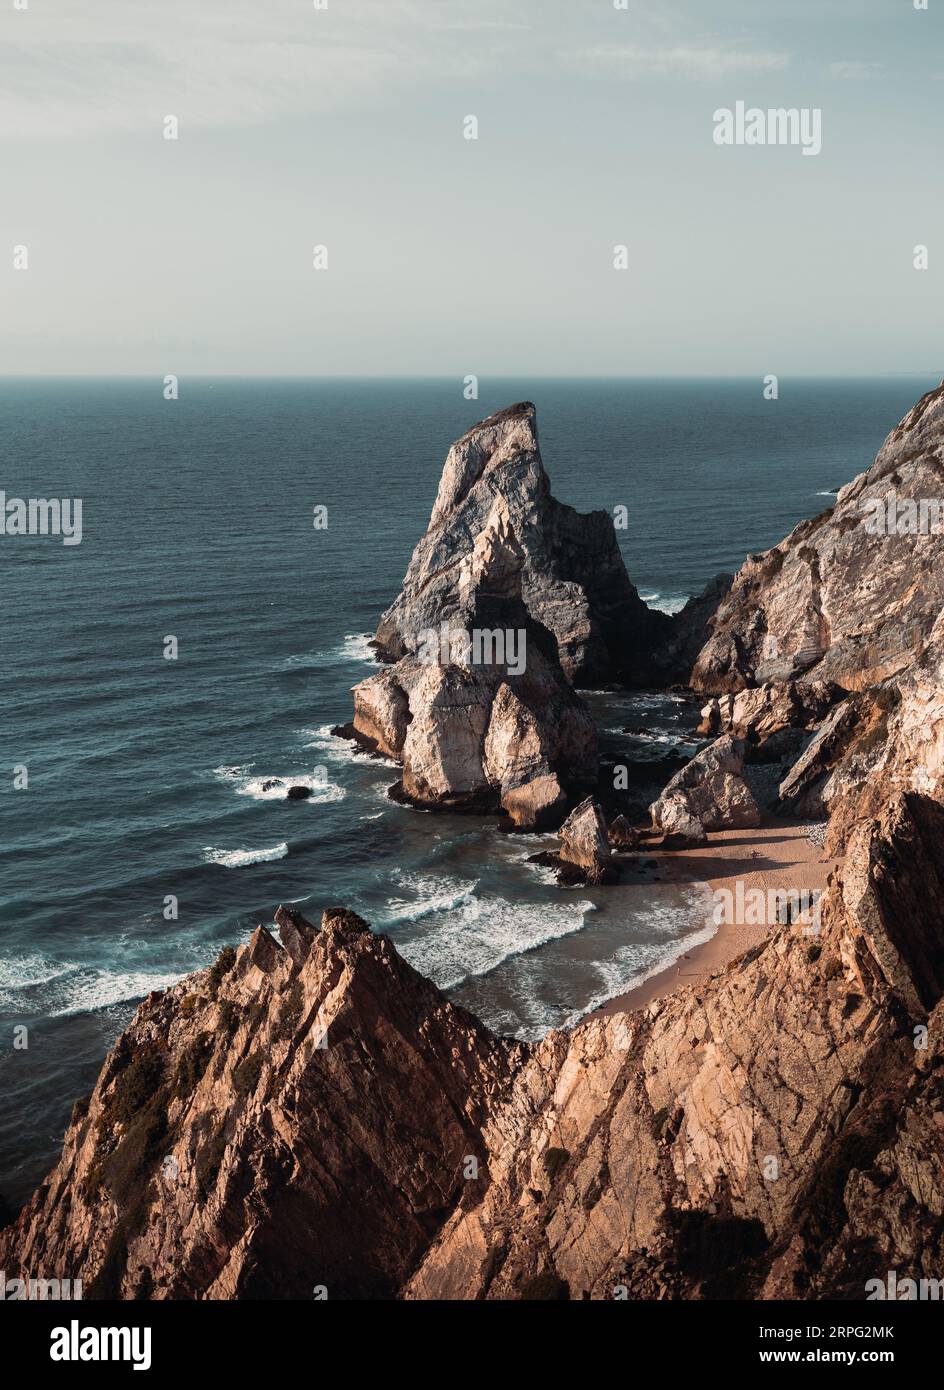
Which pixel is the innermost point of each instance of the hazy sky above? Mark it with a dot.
(344, 127)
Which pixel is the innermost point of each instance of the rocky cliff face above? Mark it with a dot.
(317, 1114)
(299, 1115)
(846, 596)
(484, 728)
(837, 631)
(574, 582)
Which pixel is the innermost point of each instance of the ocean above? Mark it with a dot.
(148, 777)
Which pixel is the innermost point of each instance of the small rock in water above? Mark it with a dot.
(298, 793)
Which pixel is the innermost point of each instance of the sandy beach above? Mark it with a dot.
(777, 855)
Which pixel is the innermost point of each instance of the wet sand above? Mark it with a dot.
(778, 854)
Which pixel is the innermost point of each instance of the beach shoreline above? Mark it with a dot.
(778, 854)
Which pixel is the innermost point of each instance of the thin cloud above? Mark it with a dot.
(852, 70)
(691, 62)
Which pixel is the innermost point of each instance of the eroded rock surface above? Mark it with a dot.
(709, 793)
(318, 1114)
(844, 597)
(574, 582)
(505, 732)
(585, 843)
(767, 709)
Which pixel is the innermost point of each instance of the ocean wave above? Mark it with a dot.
(475, 935)
(534, 990)
(432, 895)
(354, 647)
(669, 740)
(632, 967)
(56, 989)
(239, 858)
(342, 750)
(24, 972)
(829, 492)
(671, 605)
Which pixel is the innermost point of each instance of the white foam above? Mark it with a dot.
(341, 750)
(475, 935)
(432, 895)
(92, 989)
(68, 987)
(239, 858)
(23, 972)
(275, 788)
(355, 646)
(671, 605)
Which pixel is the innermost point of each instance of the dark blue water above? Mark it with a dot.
(145, 775)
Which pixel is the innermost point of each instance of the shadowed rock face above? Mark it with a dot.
(506, 732)
(770, 1132)
(836, 599)
(314, 1107)
(574, 582)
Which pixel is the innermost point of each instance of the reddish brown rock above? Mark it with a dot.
(326, 1117)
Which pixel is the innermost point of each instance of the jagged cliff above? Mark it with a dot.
(838, 630)
(316, 1114)
(311, 1113)
(497, 727)
(840, 598)
(574, 582)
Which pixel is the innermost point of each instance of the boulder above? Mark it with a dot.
(709, 793)
(762, 711)
(622, 835)
(584, 842)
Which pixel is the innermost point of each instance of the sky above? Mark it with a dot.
(344, 127)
